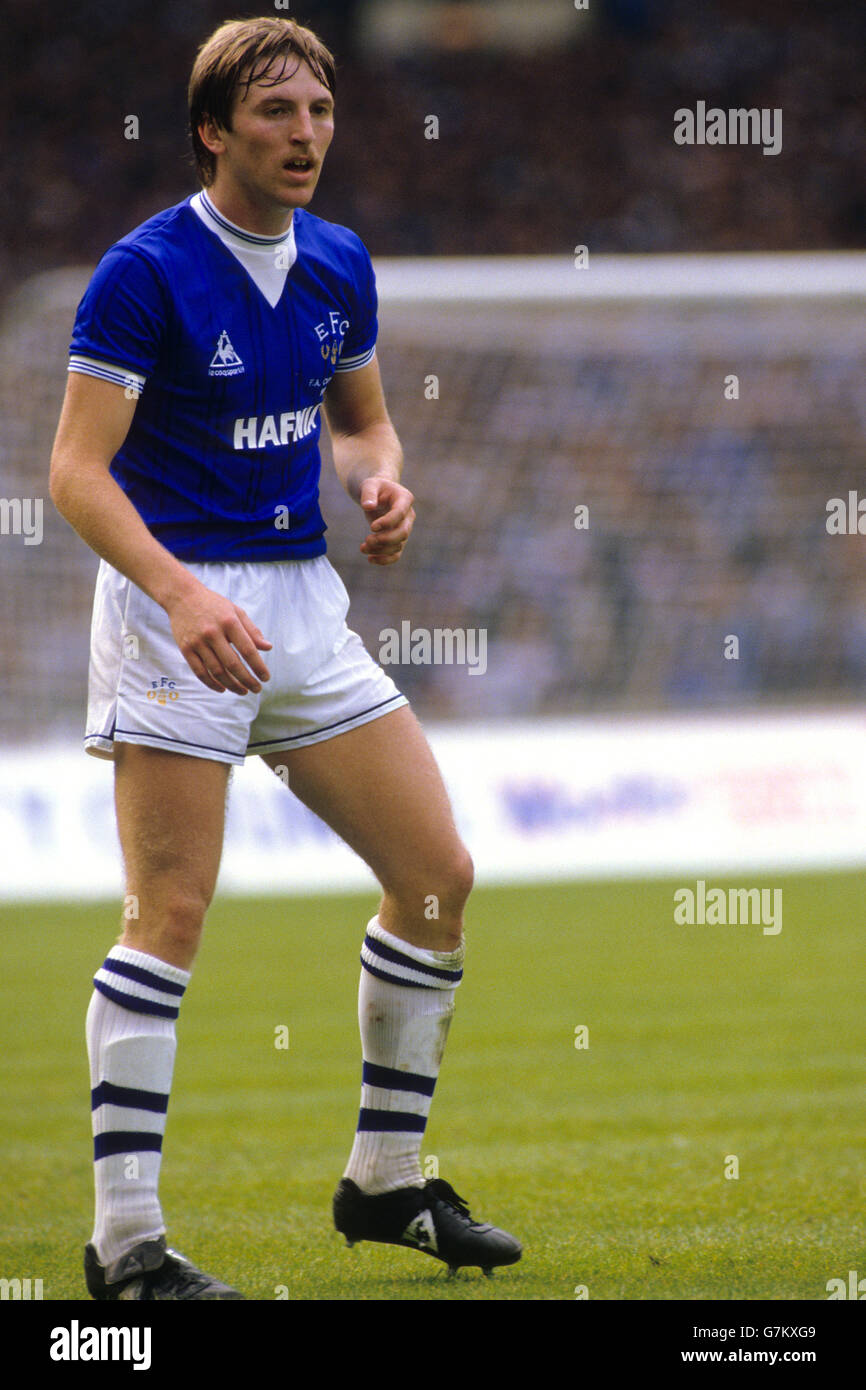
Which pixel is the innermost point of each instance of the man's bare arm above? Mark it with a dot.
(210, 631)
(369, 460)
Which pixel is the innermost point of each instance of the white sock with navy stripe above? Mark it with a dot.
(131, 1044)
(405, 1005)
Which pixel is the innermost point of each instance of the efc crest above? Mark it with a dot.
(330, 334)
(163, 690)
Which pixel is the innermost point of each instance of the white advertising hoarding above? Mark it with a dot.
(535, 800)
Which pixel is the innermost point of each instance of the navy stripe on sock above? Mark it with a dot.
(392, 1080)
(134, 1004)
(394, 979)
(397, 958)
(142, 977)
(395, 1121)
(106, 1093)
(126, 1141)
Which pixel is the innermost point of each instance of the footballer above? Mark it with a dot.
(209, 344)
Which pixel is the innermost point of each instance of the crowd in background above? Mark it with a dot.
(706, 515)
(536, 152)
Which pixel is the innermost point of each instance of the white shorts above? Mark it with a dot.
(323, 680)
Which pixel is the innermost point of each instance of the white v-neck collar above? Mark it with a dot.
(266, 259)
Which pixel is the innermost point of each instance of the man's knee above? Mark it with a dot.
(428, 903)
(461, 877)
(448, 881)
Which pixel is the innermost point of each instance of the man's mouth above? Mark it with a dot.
(299, 165)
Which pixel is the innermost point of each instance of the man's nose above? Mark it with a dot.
(302, 126)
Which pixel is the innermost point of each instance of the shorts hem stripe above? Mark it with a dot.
(280, 743)
(142, 734)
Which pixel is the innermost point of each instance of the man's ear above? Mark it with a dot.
(210, 134)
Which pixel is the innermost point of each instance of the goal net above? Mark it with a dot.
(622, 476)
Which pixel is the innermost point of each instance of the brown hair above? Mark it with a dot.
(237, 54)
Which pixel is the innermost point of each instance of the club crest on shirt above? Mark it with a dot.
(225, 361)
(330, 334)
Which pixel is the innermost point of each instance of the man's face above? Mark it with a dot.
(280, 134)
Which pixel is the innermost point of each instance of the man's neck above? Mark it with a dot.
(235, 207)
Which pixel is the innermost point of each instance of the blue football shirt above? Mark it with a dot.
(232, 340)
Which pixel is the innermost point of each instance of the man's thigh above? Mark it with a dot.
(170, 820)
(380, 789)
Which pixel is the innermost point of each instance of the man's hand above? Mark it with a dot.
(368, 460)
(388, 507)
(213, 634)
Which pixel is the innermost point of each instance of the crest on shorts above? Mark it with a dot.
(163, 690)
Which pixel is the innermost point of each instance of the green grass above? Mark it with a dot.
(608, 1162)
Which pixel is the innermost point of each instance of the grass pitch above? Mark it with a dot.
(706, 1044)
